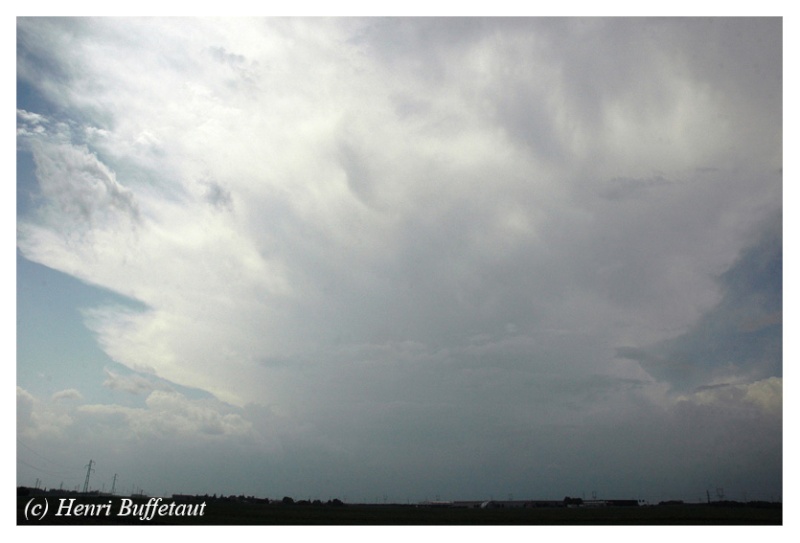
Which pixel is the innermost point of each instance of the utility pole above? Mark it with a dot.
(88, 472)
(113, 484)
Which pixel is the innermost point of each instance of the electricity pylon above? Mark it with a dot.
(88, 472)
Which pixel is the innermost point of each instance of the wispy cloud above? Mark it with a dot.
(68, 394)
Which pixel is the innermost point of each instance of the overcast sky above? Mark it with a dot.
(400, 258)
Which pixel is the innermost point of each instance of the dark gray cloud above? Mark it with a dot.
(218, 196)
(624, 187)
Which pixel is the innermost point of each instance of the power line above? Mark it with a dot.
(37, 469)
(57, 474)
(31, 449)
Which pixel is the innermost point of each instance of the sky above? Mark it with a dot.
(401, 258)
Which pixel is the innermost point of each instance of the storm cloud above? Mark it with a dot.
(454, 257)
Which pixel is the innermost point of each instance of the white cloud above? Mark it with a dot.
(36, 419)
(167, 414)
(132, 383)
(24, 407)
(67, 394)
(767, 394)
(32, 118)
(344, 218)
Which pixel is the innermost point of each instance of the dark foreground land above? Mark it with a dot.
(359, 515)
(218, 512)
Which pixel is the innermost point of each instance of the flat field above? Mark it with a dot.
(231, 513)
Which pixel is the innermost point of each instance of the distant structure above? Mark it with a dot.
(515, 504)
(88, 472)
